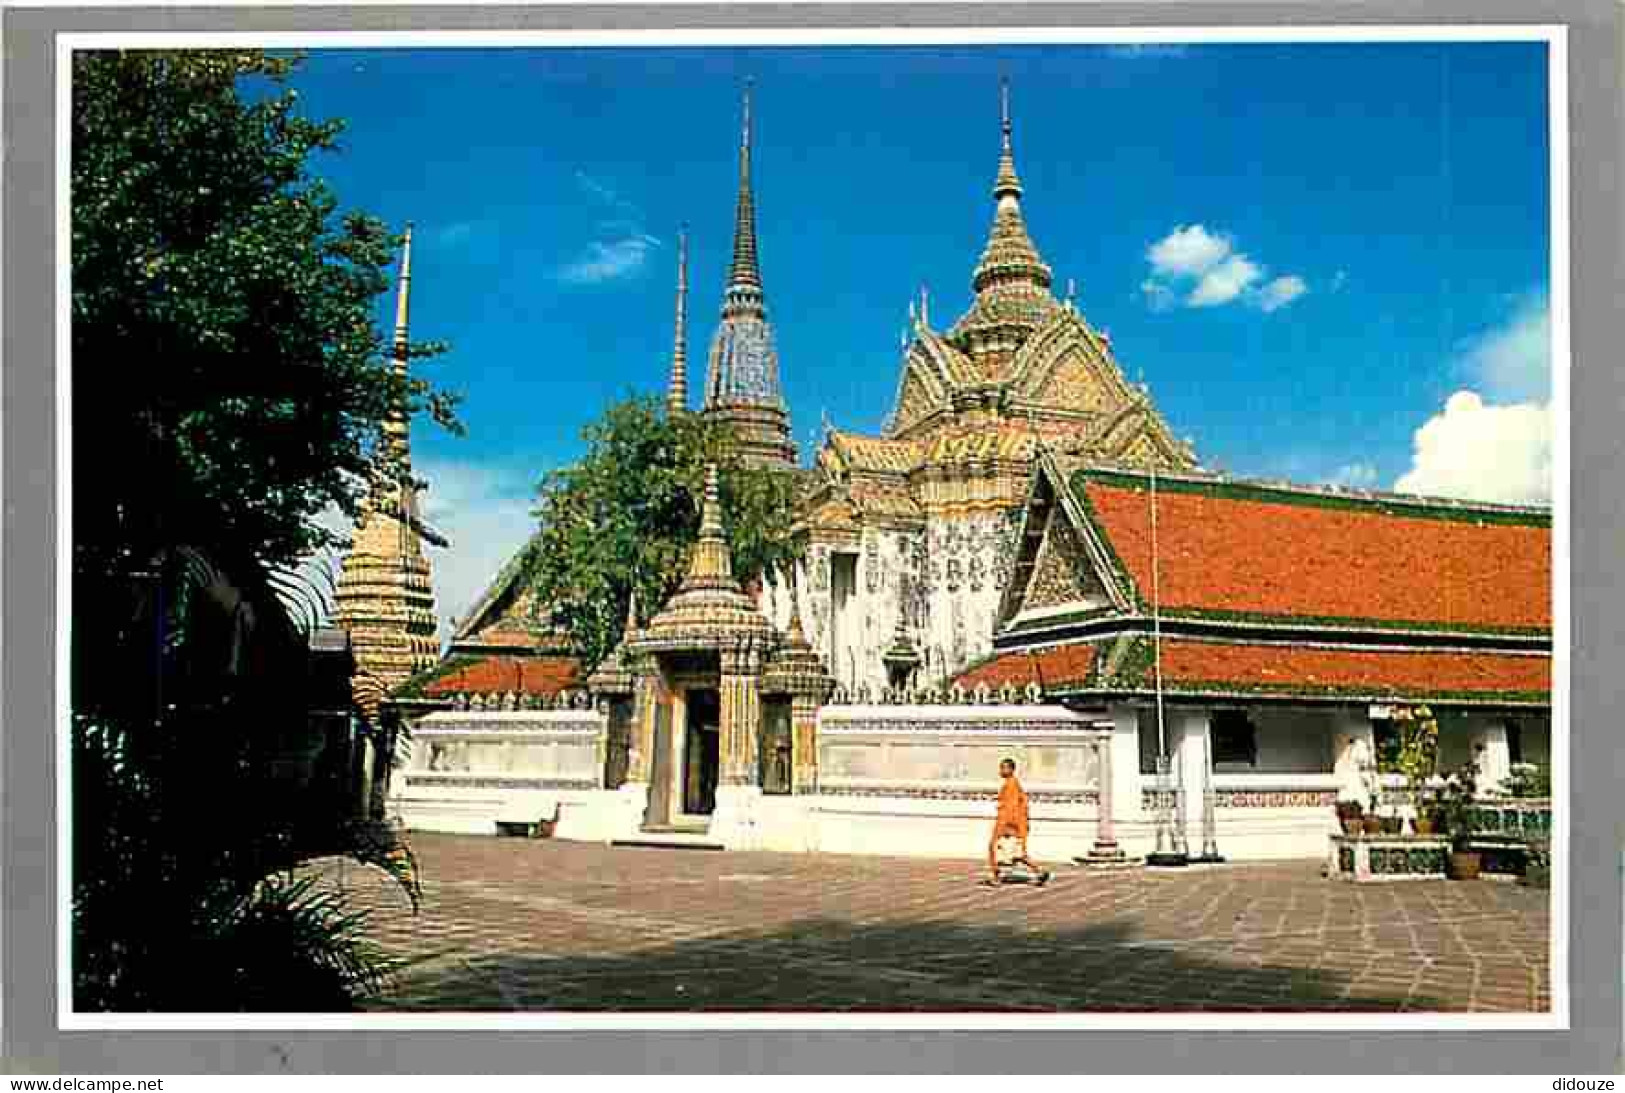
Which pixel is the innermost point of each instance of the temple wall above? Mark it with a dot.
(923, 781)
(966, 567)
(469, 772)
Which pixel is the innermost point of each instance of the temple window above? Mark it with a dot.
(1235, 739)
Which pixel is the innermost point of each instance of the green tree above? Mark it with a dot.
(630, 510)
(228, 384)
(225, 358)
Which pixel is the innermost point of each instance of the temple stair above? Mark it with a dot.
(672, 837)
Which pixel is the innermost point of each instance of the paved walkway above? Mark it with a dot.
(514, 924)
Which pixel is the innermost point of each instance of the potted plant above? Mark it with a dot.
(1371, 822)
(1537, 867)
(1418, 756)
(1454, 808)
(1348, 816)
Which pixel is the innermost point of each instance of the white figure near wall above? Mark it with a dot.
(1356, 771)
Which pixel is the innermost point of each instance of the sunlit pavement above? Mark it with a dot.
(524, 924)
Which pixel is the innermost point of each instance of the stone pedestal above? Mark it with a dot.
(1105, 848)
(1366, 858)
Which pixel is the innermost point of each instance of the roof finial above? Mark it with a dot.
(631, 612)
(1007, 184)
(745, 272)
(925, 306)
(1071, 292)
(677, 392)
(794, 634)
(711, 513)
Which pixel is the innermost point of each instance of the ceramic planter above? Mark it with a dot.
(1464, 864)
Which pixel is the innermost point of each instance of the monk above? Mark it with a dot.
(1011, 823)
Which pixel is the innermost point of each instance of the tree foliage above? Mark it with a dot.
(627, 514)
(226, 366)
(228, 384)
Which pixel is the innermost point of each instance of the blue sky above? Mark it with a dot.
(1330, 262)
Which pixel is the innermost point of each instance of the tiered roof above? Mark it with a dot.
(1271, 591)
(385, 599)
(709, 610)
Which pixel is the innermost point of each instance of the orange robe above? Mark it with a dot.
(1012, 818)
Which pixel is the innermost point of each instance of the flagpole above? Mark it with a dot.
(1176, 853)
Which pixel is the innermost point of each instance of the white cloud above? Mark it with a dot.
(1494, 446)
(459, 232)
(1224, 282)
(1203, 267)
(1187, 251)
(1360, 476)
(1158, 296)
(623, 244)
(1477, 451)
(485, 513)
(1513, 363)
(1280, 292)
(605, 261)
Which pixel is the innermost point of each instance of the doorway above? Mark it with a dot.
(702, 751)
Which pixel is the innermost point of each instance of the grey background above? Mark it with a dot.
(31, 1039)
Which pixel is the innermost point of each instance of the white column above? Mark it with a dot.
(1488, 743)
(1125, 773)
(1187, 743)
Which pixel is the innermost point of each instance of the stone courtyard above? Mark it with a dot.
(514, 924)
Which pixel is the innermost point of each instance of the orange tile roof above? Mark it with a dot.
(542, 676)
(1228, 549)
(1061, 665)
(1400, 673)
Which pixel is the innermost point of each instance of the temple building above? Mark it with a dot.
(910, 533)
(1025, 561)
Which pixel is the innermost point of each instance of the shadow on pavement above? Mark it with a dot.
(925, 966)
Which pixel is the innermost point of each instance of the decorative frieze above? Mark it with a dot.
(1364, 858)
(935, 793)
(457, 781)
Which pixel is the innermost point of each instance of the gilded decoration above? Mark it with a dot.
(1061, 560)
(709, 610)
(384, 598)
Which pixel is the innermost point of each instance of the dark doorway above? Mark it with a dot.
(701, 752)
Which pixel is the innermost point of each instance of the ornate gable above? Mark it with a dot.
(919, 395)
(1067, 370)
(1139, 438)
(1061, 574)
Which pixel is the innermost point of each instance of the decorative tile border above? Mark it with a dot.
(1363, 859)
(1275, 798)
(918, 793)
(517, 782)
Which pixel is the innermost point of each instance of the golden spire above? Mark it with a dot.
(677, 392)
(710, 565)
(745, 274)
(385, 595)
(397, 441)
(1007, 181)
(1010, 256)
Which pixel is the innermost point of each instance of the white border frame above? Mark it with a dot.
(1556, 38)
